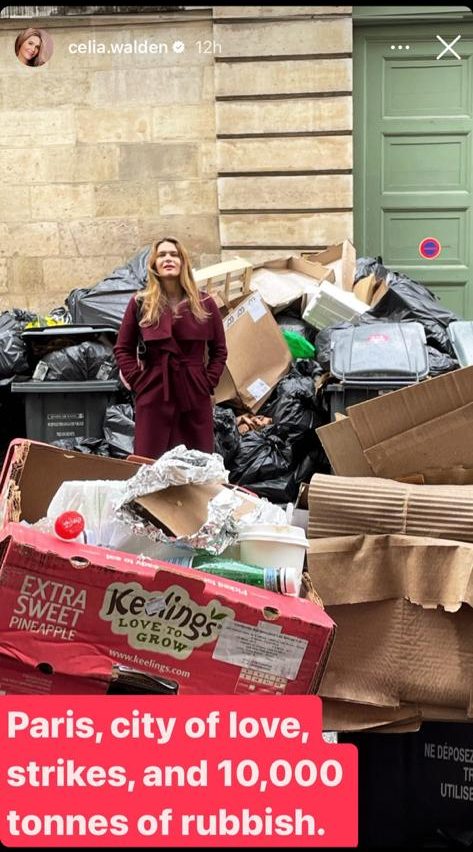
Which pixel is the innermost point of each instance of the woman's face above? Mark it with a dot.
(29, 49)
(168, 262)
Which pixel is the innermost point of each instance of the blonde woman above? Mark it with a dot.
(29, 47)
(161, 353)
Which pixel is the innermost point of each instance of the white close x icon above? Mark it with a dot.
(449, 47)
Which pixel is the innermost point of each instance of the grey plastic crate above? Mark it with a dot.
(55, 411)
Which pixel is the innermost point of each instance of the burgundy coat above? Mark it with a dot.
(173, 390)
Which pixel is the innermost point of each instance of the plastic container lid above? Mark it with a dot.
(278, 533)
(291, 579)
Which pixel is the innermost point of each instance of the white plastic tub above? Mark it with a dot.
(273, 546)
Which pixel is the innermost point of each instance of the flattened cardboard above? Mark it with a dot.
(350, 716)
(182, 510)
(404, 613)
(98, 607)
(427, 425)
(438, 476)
(343, 448)
(258, 355)
(343, 505)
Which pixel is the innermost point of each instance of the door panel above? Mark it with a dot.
(413, 153)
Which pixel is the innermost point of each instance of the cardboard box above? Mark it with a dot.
(427, 425)
(403, 607)
(370, 290)
(32, 473)
(285, 280)
(80, 609)
(343, 505)
(258, 355)
(341, 259)
(17, 678)
(179, 510)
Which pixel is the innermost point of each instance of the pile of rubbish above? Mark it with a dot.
(160, 577)
(343, 464)
(327, 324)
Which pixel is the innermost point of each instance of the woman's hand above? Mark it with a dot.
(124, 381)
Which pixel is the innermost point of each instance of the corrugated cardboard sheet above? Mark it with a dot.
(342, 505)
(427, 425)
(404, 613)
(258, 355)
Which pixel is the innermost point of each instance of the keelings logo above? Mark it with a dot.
(168, 621)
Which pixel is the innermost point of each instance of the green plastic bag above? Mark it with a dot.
(299, 347)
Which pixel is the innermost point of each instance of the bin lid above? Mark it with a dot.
(394, 352)
(42, 341)
(460, 333)
(51, 331)
(64, 387)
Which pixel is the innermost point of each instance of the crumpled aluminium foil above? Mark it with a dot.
(181, 466)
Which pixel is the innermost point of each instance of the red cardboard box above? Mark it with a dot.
(80, 609)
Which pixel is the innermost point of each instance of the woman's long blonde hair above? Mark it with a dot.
(153, 300)
(21, 38)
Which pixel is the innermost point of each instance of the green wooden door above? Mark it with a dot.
(413, 153)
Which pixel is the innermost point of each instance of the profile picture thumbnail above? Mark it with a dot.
(33, 47)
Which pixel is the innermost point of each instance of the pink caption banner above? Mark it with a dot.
(173, 771)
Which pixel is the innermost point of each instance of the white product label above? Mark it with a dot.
(260, 649)
(41, 371)
(256, 309)
(258, 389)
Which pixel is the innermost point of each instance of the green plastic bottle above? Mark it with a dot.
(284, 580)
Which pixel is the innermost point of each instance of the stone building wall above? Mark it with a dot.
(240, 144)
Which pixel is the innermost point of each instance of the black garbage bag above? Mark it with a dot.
(226, 434)
(119, 430)
(88, 446)
(409, 300)
(306, 367)
(106, 302)
(297, 325)
(370, 266)
(13, 358)
(323, 343)
(281, 491)
(440, 362)
(262, 455)
(85, 361)
(295, 412)
(315, 461)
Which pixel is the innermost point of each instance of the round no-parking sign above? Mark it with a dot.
(430, 248)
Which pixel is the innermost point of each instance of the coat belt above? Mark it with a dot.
(177, 367)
